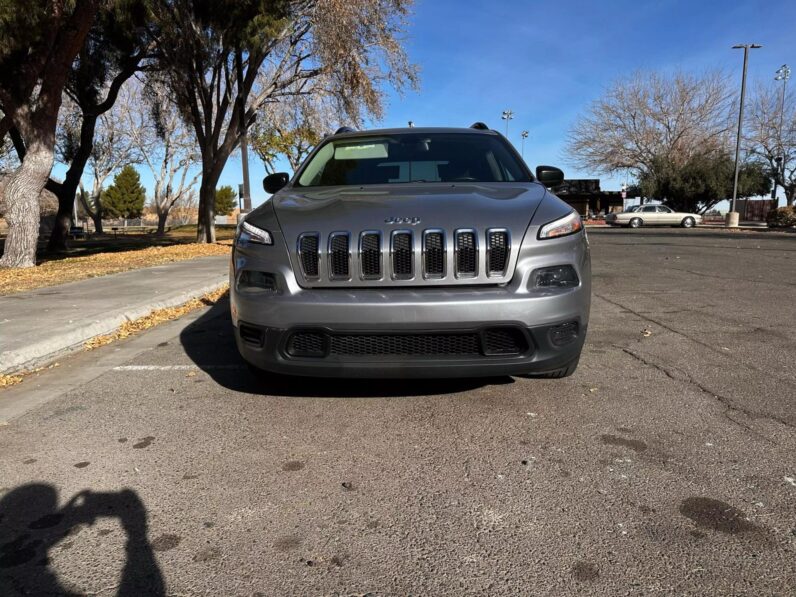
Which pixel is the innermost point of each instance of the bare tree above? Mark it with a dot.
(651, 118)
(771, 135)
(226, 60)
(291, 127)
(112, 148)
(167, 147)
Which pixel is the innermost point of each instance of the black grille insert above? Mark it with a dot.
(370, 255)
(251, 335)
(308, 255)
(466, 253)
(339, 256)
(307, 344)
(434, 253)
(504, 341)
(402, 256)
(405, 344)
(498, 252)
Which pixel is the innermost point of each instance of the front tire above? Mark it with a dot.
(635, 223)
(688, 223)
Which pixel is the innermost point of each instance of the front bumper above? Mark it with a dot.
(268, 319)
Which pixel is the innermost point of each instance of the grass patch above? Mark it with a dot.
(70, 269)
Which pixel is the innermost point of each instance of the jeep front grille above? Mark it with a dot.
(355, 256)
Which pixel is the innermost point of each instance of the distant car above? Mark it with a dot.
(653, 215)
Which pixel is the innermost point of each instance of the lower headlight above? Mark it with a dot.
(254, 281)
(560, 276)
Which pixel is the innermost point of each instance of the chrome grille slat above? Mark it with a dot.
(498, 248)
(434, 253)
(339, 256)
(466, 253)
(402, 255)
(309, 254)
(370, 255)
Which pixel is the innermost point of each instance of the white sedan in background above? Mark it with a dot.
(653, 215)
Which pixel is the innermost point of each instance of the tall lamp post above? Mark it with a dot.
(732, 217)
(783, 74)
(524, 135)
(507, 115)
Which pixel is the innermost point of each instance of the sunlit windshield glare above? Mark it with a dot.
(455, 157)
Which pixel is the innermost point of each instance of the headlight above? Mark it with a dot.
(251, 234)
(569, 224)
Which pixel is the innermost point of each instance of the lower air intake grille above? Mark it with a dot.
(402, 256)
(497, 252)
(308, 254)
(307, 344)
(504, 341)
(405, 344)
(466, 253)
(339, 256)
(370, 255)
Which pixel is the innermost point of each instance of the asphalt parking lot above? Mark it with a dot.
(665, 465)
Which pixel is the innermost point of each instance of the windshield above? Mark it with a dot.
(413, 157)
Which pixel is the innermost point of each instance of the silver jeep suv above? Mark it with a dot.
(418, 252)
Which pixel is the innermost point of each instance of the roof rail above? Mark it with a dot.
(345, 129)
(479, 126)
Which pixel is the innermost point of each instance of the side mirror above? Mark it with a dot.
(549, 176)
(274, 182)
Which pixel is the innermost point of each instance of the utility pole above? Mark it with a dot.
(244, 146)
(524, 135)
(783, 74)
(733, 217)
(507, 115)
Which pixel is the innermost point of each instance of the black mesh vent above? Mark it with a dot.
(402, 257)
(371, 255)
(435, 254)
(498, 251)
(405, 344)
(499, 341)
(307, 344)
(308, 253)
(338, 256)
(466, 258)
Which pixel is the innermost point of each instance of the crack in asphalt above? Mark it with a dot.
(710, 347)
(728, 404)
(705, 275)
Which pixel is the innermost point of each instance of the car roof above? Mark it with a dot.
(414, 131)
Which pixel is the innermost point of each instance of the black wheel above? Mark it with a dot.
(636, 223)
(564, 371)
(688, 223)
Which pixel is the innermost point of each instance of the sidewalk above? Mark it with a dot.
(38, 326)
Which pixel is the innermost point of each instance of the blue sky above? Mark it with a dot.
(547, 60)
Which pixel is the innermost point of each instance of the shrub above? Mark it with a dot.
(782, 217)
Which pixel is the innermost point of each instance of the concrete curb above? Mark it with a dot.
(45, 351)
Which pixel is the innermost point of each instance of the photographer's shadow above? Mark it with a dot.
(32, 524)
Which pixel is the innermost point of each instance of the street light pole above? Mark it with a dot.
(732, 217)
(524, 135)
(783, 74)
(507, 115)
(244, 146)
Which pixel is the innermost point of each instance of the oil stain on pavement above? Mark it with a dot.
(713, 514)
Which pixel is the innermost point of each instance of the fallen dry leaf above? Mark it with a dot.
(646, 332)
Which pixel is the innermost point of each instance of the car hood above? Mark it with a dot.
(417, 207)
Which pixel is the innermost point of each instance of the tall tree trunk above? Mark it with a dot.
(206, 228)
(63, 222)
(162, 217)
(22, 192)
(97, 219)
